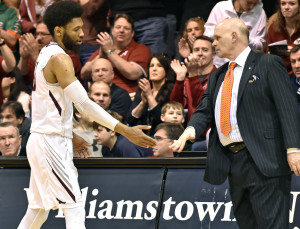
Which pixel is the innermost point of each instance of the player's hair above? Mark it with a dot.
(16, 107)
(171, 104)
(61, 13)
(173, 130)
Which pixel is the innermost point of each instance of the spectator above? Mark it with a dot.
(150, 21)
(165, 134)
(152, 93)
(250, 12)
(10, 140)
(189, 90)
(285, 26)
(102, 70)
(7, 63)
(295, 76)
(115, 145)
(172, 112)
(30, 47)
(128, 57)
(84, 129)
(99, 92)
(193, 28)
(13, 112)
(94, 21)
(10, 25)
(14, 89)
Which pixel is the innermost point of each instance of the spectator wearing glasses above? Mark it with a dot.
(30, 47)
(165, 134)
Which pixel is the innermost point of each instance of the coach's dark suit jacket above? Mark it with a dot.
(267, 117)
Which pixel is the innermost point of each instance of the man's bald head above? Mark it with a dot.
(102, 70)
(231, 38)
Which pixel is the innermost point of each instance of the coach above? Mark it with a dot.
(255, 130)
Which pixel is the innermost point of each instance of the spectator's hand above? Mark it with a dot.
(193, 62)
(31, 45)
(106, 42)
(179, 69)
(178, 145)
(294, 162)
(144, 98)
(80, 147)
(191, 40)
(145, 86)
(183, 48)
(23, 48)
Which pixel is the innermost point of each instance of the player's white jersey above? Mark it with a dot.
(52, 110)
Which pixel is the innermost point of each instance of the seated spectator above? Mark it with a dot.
(295, 76)
(102, 70)
(84, 129)
(99, 92)
(285, 26)
(13, 112)
(172, 112)
(115, 145)
(189, 90)
(10, 25)
(14, 89)
(193, 28)
(128, 57)
(30, 47)
(165, 134)
(7, 63)
(10, 140)
(250, 12)
(152, 93)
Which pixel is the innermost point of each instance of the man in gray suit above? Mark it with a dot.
(262, 145)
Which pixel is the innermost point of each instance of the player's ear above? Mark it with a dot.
(58, 31)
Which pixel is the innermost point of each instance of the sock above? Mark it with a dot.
(75, 217)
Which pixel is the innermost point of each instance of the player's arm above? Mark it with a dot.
(61, 69)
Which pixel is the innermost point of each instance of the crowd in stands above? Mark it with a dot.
(145, 62)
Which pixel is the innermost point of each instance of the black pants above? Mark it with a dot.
(259, 202)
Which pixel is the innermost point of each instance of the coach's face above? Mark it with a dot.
(10, 141)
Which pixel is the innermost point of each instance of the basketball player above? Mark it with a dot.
(53, 181)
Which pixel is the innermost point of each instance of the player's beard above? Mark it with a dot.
(70, 45)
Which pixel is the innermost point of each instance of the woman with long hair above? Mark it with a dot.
(194, 27)
(152, 93)
(285, 26)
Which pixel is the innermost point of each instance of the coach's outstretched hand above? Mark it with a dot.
(178, 145)
(136, 135)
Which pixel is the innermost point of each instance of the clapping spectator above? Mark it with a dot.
(193, 28)
(152, 93)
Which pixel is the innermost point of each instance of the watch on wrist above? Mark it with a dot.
(110, 51)
(2, 43)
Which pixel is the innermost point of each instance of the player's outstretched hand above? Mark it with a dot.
(80, 147)
(136, 135)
